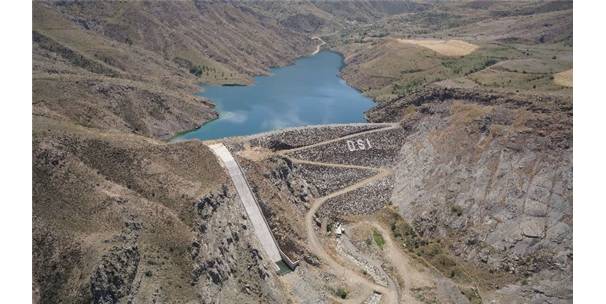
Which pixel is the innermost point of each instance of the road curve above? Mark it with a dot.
(316, 247)
(390, 295)
(322, 42)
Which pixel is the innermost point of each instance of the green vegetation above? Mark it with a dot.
(468, 66)
(197, 70)
(433, 253)
(342, 293)
(200, 70)
(329, 227)
(407, 88)
(378, 238)
(484, 57)
(430, 251)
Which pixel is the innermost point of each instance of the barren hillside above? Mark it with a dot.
(464, 194)
(134, 66)
(123, 217)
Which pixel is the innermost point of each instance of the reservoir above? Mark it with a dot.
(308, 92)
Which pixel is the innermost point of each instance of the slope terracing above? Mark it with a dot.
(312, 182)
(484, 175)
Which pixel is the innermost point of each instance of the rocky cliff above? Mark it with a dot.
(490, 174)
(118, 216)
(122, 218)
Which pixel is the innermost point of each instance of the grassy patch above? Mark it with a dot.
(378, 238)
(467, 66)
(481, 59)
(407, 87)
(430, 251)
(518, 80)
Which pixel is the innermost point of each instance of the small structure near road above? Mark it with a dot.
(339, 230)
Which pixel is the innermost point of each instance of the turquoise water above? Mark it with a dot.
(309, 92)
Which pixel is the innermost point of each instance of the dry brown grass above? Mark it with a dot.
(563, 78)
(255, 153)
(444, 47)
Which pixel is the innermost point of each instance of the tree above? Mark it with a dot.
(197, 70)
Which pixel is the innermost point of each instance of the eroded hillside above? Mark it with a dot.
(459, 191)
(117, 215)
(491, 176)
(121, 217)
(134, 66)
(475, 185)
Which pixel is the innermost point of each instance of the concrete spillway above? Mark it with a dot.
(251, 206)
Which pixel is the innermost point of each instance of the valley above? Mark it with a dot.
(443, 176)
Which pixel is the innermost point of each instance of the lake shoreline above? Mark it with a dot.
(290, 96)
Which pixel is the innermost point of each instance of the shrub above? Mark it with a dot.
(378, 238)
(342, 292)
(197, 70)
(329, 227)
(472, 64)
(406, 88)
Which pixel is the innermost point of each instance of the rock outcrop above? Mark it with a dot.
(123, 218)
(492, 175)
(227, 263)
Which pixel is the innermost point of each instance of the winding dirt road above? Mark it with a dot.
(352, 277)
(322, 42)
(402, 264)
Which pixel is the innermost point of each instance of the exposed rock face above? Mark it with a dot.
(228, 266)
(122, 218)
(493, 174)
(113, 278)
(54, 264)
(118, 217)
(345, 248)
(283, 197)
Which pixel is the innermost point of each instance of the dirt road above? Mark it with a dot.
(316, 247)
(322, 42)
(409, 275)
(352, 277)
